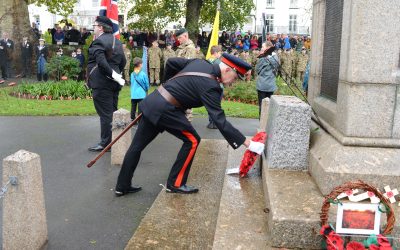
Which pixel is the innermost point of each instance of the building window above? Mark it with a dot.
(294, 4)
(270, 3)
(269, 23)
(292, 23)
(95, 3)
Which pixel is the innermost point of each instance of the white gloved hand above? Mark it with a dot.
(256, 147)
(118, 78)
(189, 114)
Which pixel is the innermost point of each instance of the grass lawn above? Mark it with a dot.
(12, 106)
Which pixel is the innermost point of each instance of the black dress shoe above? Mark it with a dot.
(211, 125)
(184, 189)
(131, 190)
(97, 148)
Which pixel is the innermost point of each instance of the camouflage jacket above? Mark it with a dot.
(186, 50)
(155, 56)
(302, 62)
(168, 53)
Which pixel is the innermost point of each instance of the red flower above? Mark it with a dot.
(249, 157)
(355, 246)
(384, 243)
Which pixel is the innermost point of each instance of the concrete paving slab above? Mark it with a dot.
(82, 211)
(177, 221)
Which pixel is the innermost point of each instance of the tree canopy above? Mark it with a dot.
(63, 8)
(155, 15)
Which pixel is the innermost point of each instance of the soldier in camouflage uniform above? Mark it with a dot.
(288, 63)
(168, 53)
(186, 48)
(302, 59)
(254, 59)
(155, 56)
(127, 53)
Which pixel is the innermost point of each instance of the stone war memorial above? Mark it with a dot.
(355, 93)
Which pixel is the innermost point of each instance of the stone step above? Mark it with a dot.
(241, 220)
(177, 221)
(294, 203)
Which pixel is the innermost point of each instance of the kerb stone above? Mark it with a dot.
(121, 119)
(24, 213)
(264, 114)
(288, 130)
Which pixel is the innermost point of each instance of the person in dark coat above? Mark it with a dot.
(164, 110)
(26, 57)
(7, 47)
(106, 61)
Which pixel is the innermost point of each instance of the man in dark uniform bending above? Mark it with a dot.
(164, 109)
(105, 63)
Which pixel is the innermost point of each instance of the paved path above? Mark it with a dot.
(82, 211)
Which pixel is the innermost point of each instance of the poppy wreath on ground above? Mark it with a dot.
(334, 241)
(249, 158)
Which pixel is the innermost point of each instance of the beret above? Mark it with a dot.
(180, 32)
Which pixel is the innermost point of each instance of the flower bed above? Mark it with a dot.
(65, 90)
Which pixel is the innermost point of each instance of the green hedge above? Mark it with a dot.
(243, 91)
(53, 90)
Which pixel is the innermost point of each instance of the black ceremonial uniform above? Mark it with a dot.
(159, 115)
(105, 55)
(26, 56)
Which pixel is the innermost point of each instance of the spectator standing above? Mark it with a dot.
(155, 56)
(293, 41)
(35, 30)
(300, 44)
(59, 36)
(81, 59)
(139, 86)
(246, 43)
(26, 57)
(8, 46)
(131, 44)
(73, 36)
(41, 59)
(266, 70)
(85, 34)
(254, 42)
(286, 43)
(307, 43)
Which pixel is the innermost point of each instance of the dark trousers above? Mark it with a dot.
(106, 103)
(4, 71)
(262, 95)
(146, 132)
(26, 67)
(134, 105)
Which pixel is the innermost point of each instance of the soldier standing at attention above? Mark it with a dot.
(26, 57)
(168, 53)
(155, 56)
(106, 62)
(128, 57)
(302, 59)
(186, 49)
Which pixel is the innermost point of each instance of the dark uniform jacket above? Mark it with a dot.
(44, 52)
(192, 92)
(8, 48)
(26, 50)
(102, 60)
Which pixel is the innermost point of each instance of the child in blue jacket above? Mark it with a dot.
(139, 85)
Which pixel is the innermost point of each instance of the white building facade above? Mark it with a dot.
(281, 16)
(84, 14)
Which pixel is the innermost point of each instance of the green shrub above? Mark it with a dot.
(57, 90)
(245, 91)
(59, 66)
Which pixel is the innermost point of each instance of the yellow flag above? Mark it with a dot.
(214, 35)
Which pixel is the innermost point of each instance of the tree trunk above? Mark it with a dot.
(14, 19)
(193, 8)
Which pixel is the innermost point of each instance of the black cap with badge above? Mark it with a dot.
(241, 67)
(180, 32)
(103, 20)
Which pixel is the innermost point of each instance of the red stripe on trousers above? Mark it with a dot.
(191, 138)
